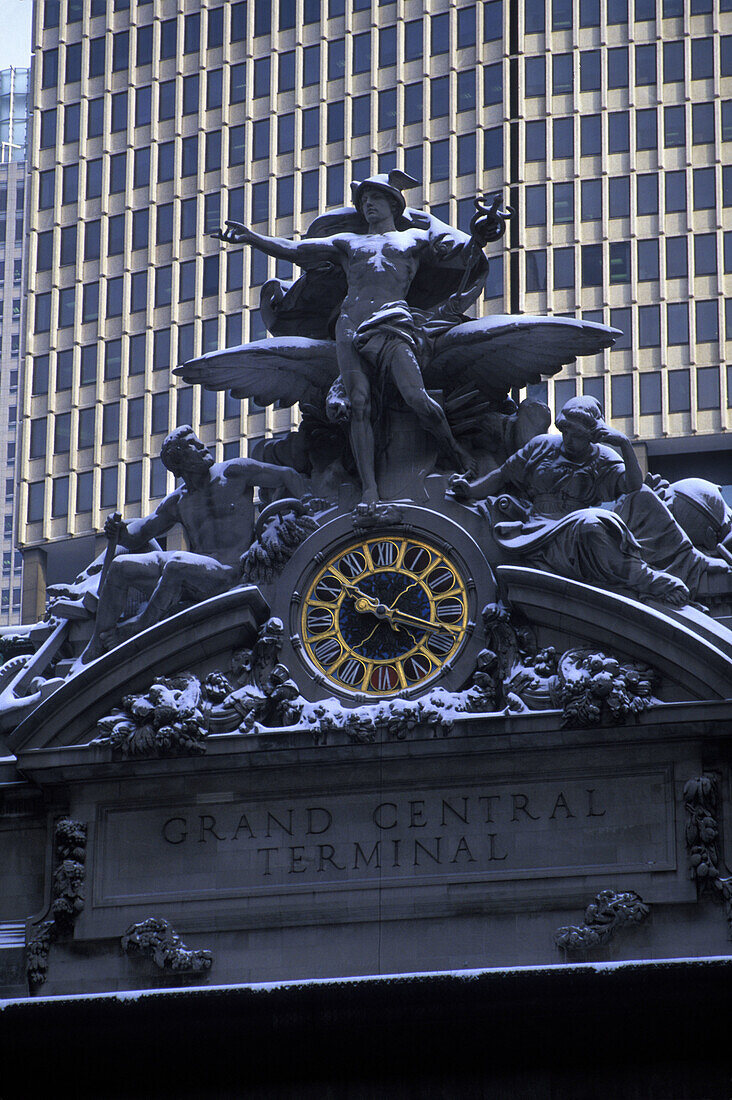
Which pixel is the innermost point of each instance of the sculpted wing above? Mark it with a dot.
(281, 370)
(496, 353)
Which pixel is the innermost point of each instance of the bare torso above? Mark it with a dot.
(218, 517)
(379, 269)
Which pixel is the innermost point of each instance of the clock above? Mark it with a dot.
(383, 609)
(384, 614)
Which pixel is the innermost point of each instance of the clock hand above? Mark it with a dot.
(403, 619)
(363, 603)
(370, 605)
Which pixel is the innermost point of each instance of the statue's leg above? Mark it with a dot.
(182, 574)
(358, 389)
(408, 379)
(128, 571)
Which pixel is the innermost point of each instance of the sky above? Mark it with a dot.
(15, 41)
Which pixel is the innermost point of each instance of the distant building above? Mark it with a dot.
(603, 124)
(13, 121)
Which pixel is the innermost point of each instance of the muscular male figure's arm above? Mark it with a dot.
(267, 476)
(138, 532)
(305, 253)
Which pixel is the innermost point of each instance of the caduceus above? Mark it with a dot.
(488, 224)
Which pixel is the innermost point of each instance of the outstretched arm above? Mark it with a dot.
(305, 253)
(267, 476)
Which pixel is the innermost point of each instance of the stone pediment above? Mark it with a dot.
(691, 651)
(690, 654)
(208, 632)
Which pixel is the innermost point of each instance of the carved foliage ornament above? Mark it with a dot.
(157, 940)
(513, 673)
(701, 798)
(608, 912)
(67, 897)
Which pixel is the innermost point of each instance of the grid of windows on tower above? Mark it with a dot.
(615, 161)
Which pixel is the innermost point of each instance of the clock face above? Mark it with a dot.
(384, 615)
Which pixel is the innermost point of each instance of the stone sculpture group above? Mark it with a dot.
(395, 383)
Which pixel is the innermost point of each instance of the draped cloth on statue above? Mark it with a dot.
(557, 523)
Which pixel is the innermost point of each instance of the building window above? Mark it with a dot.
(535, 141)
(707, 321)
(704, 189)
(440, 160)
(647, 193)
(617, 67)
(618, 132)
(440, 97)
(591, 200)
(413, 46)
(679, 391)
(563, 202)
(702, 123)
(534, 16)
(535, 198)
(536, 270)
(677, 323)
(619, 196)
(621, 393)
(37, 444)
(705, 254)
(702, 58)
(36, 492)
(84, 491)
(492, 84)
(675, 192)
(440, 34)
(707, 388)
(645, 65)
(648, 265)
(562, 74)
(535, 77)
(646, 129)
(674, 126)
(590, 135)
(86, 428)
(590, 70)
(650, 392)
(563, 138)
(563, 268)
(676, 258)
(592, 265)
(311, 65)
(649, 327)
(620, 262)
(261, 77)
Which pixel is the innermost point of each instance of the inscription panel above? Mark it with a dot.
(394, 838)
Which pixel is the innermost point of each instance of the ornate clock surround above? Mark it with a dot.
(409, 528)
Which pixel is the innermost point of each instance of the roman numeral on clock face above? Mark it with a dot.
(417, 558)
(352, 565)
(384, 678)
(327, 651)
(383, 553)
(417, 667)
(449, 610)
(351, 672)
(328, 589)
(319, 620)
(441, 579)
(440, 643)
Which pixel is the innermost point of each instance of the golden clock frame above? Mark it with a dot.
(419, 557)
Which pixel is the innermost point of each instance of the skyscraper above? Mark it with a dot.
(13, 115)
(603, 124)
